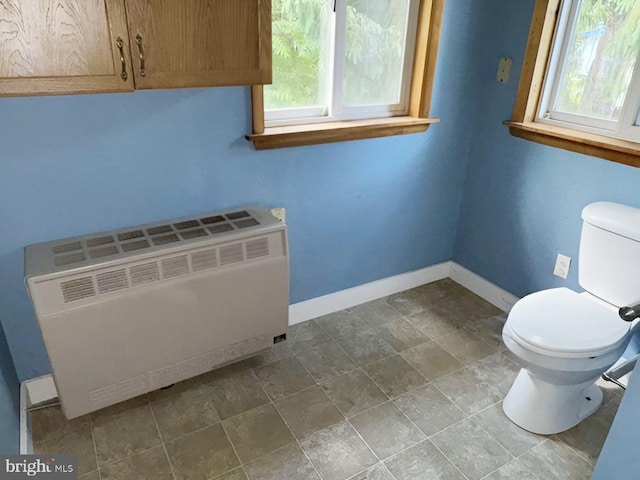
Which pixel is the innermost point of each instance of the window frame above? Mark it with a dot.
(525, 123)
(336, 109)
(417, 120)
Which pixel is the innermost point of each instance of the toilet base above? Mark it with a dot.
(545, 408)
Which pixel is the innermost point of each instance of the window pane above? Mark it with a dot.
(300, 48)
(600, 59)
(374, 51)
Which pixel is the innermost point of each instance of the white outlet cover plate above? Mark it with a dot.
(504, 70)
(563, 263)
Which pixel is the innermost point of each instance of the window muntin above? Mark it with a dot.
(593, 77)
(351, 63)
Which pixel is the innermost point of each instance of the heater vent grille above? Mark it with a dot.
(112, 281)
(77, 289)
(258, 248)
(175, 266)
(171, 267)
(204, 260)
(231, 254)
(145, 273)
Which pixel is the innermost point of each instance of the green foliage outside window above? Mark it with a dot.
(374, 53)
(601, 58)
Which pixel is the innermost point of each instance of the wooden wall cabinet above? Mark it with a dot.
(84, 46)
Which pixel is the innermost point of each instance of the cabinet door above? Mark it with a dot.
(63, 46)
(200, 43)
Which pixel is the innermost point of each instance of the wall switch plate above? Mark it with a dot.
(504, 70)
(562, 266)
(279, 213)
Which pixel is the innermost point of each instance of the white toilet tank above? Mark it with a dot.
(609, 261)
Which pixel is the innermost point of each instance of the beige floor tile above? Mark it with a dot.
(338, 452)
(429, 409)
(422, 462)
(431, 360)
(308, 411)
(488, 310)
(305, 335)
(326, 361)
(202, 455)
(588, 437)
(90, 476)
(401, 334)
(284, 377)
(150, 465)
(508, 434)
(270, 355)
(287, 463)
(47, 423)
(353, 393)
(184, 408)
(467, 391)
(79, 442)
(387, 430)
(376, 312)
(471, 449)
(237, 474)
(553, 460)
(407, 302)
(489, 330)
(436, 321)
(472, 308)
(441, 291)
(394, 375)
(235, 389)
(121, 432)
(377, 472)
(466, 346)
(365, 347)
(257, 432)
(342, 323)
(513, 470)
(498, 371)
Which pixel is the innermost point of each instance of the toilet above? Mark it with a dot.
(564, 340)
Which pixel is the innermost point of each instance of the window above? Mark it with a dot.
(580, 83)
(347, 69)
(354, 62)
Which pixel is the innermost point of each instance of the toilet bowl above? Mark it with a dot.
(563, 341)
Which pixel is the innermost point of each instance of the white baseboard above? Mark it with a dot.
(350, 297)
(43, 389)
(25, 434)
(482, 287)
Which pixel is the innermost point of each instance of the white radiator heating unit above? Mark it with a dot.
(126, 312)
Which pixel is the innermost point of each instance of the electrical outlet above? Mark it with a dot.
(562, 266)
(279, 213)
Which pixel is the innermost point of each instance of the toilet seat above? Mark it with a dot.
(561, 323)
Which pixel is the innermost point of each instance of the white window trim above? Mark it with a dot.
(336, 111)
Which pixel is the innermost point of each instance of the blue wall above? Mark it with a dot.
(522, 201)
(357, 211)
(9, 400)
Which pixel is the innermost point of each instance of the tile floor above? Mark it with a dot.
(408, 387)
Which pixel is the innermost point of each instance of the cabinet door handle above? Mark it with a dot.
(120, 45)
(143, 72)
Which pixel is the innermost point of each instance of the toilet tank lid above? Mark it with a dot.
(614, 217)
